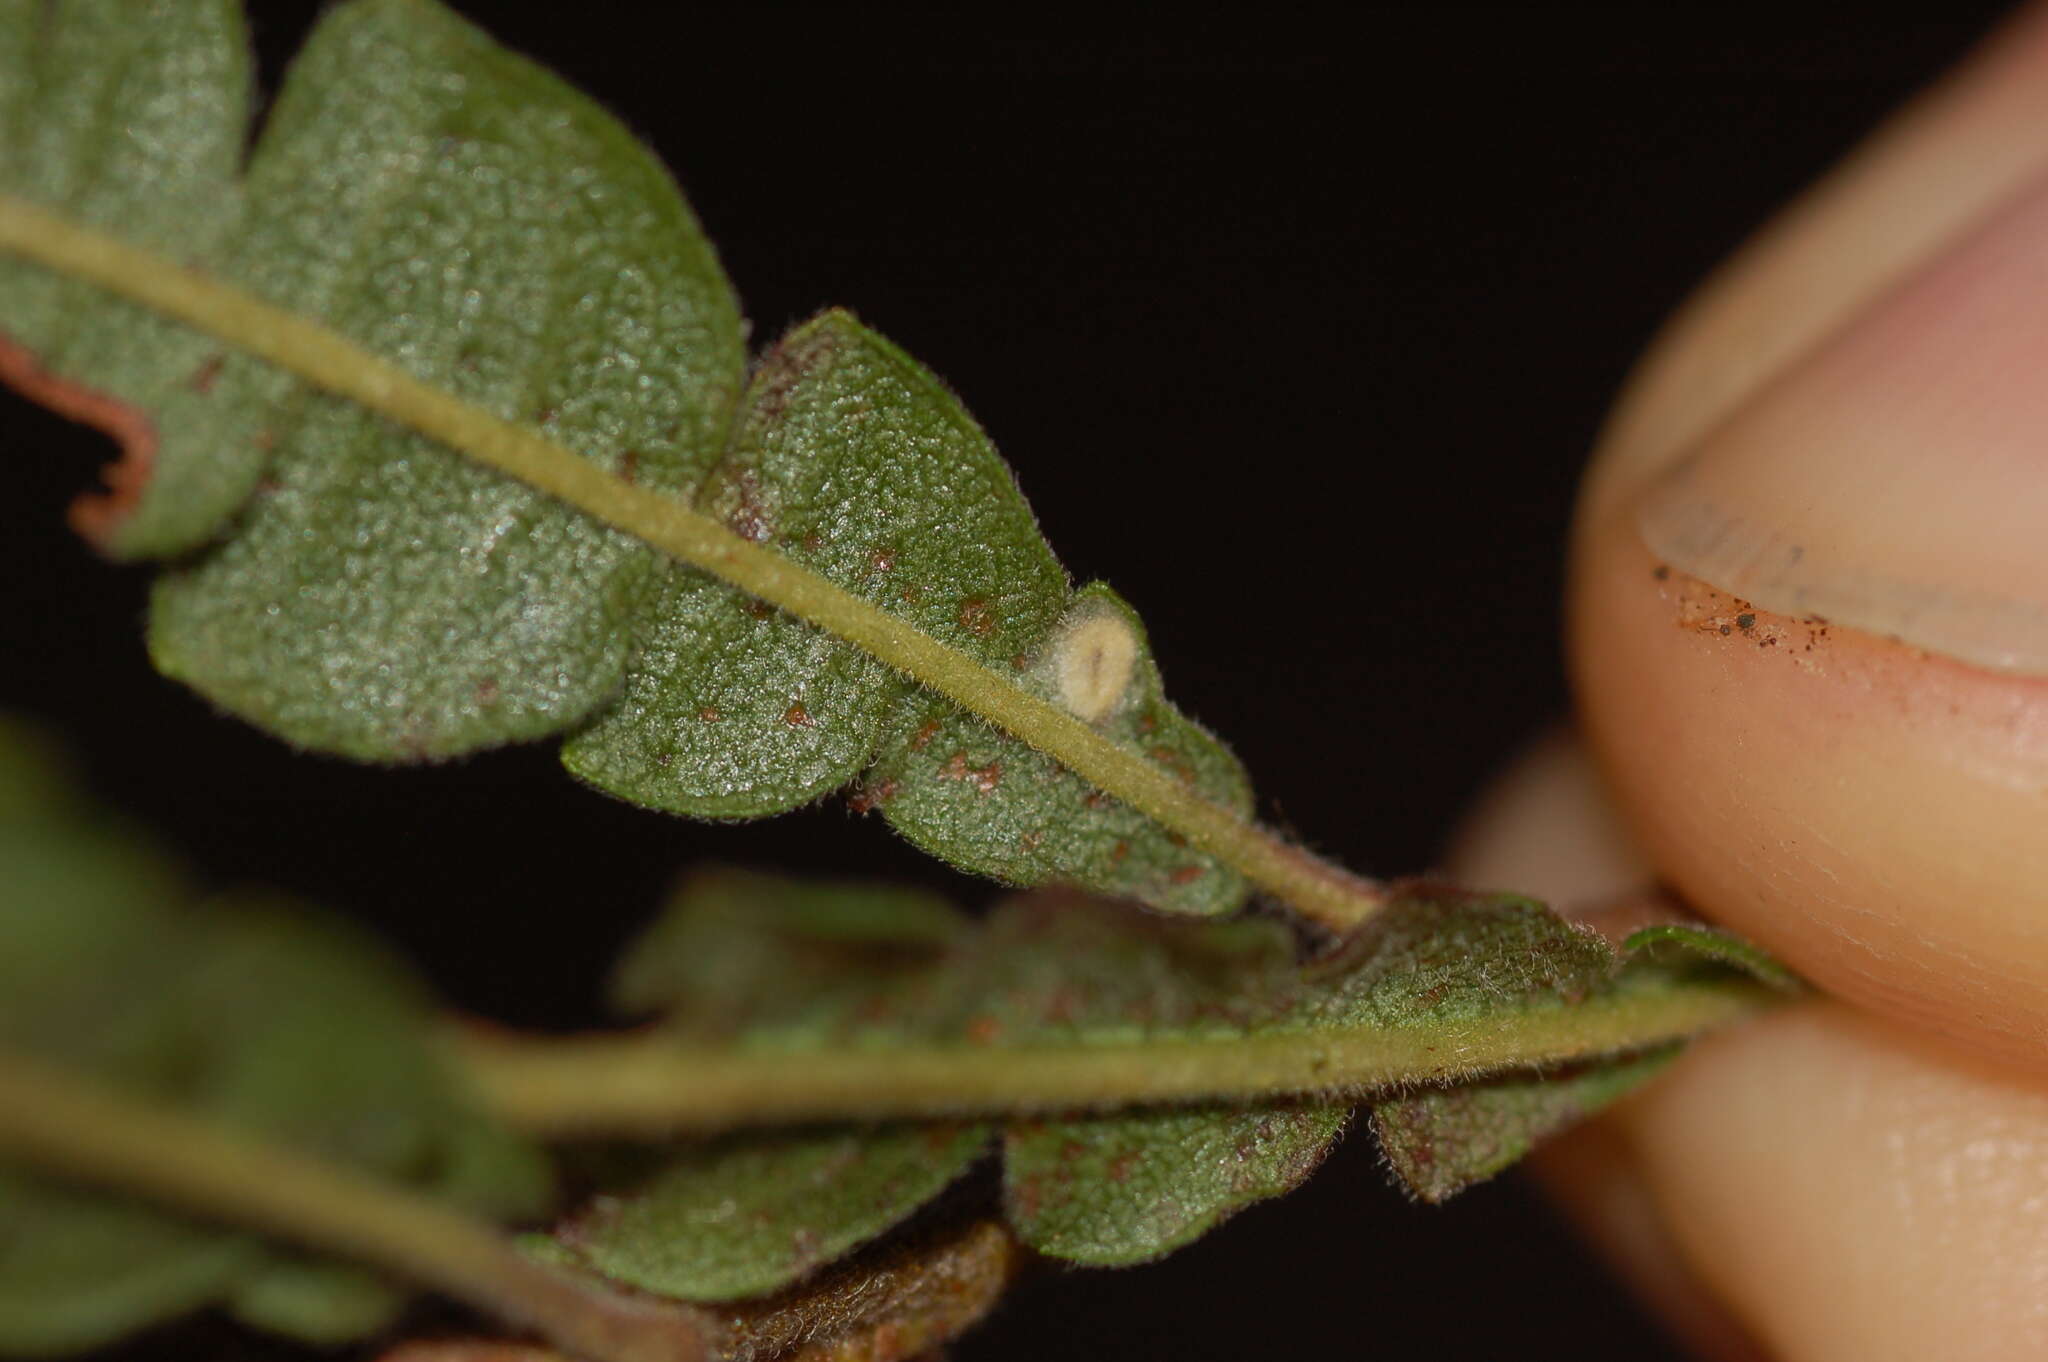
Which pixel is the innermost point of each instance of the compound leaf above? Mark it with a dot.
(452, 208)
(756, 964)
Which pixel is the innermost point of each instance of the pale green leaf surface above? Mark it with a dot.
(978, 798)
(743, 1216)
(453, 206)
(858, 464)
(1113, 1190)
(1440, 1141)
(129, 116)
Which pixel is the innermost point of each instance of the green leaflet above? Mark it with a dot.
(320, 1302)
(760, 960)
(132, 118)
(858, 464)
(741, 1217)
(1680, 946)
(438, 199)
(1440, 1141)
(450, 206)
(1113, 1190)
(255, 1013)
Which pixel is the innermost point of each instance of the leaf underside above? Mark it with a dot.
(355, 588)
(758, 963)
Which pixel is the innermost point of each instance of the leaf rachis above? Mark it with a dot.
(1320, 892)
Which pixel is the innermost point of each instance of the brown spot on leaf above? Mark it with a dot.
(545, 415)
(796, 716)
(708, 715)
(783, 367)
(94, 515)
(1174, 762)
(759, 610)
(977, 617)
(487, 691)
(203, 377)
(882, 559)
(984, 1030)
(922, 738)
(749, 518)
(982, 778)
(1188, 874)
(629, 466)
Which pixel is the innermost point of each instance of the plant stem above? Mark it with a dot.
(1320, 892)
(647, 1083)
(58, 1123)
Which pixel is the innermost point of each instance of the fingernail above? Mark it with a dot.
(1895, 481)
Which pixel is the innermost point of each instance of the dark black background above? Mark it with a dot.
(1298, 336)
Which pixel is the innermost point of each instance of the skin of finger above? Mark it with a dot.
(1872, 814)
(1930, 172)
(1853, 1189)
(1593, 1176)
(1869, 812)
(1809, 1185)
